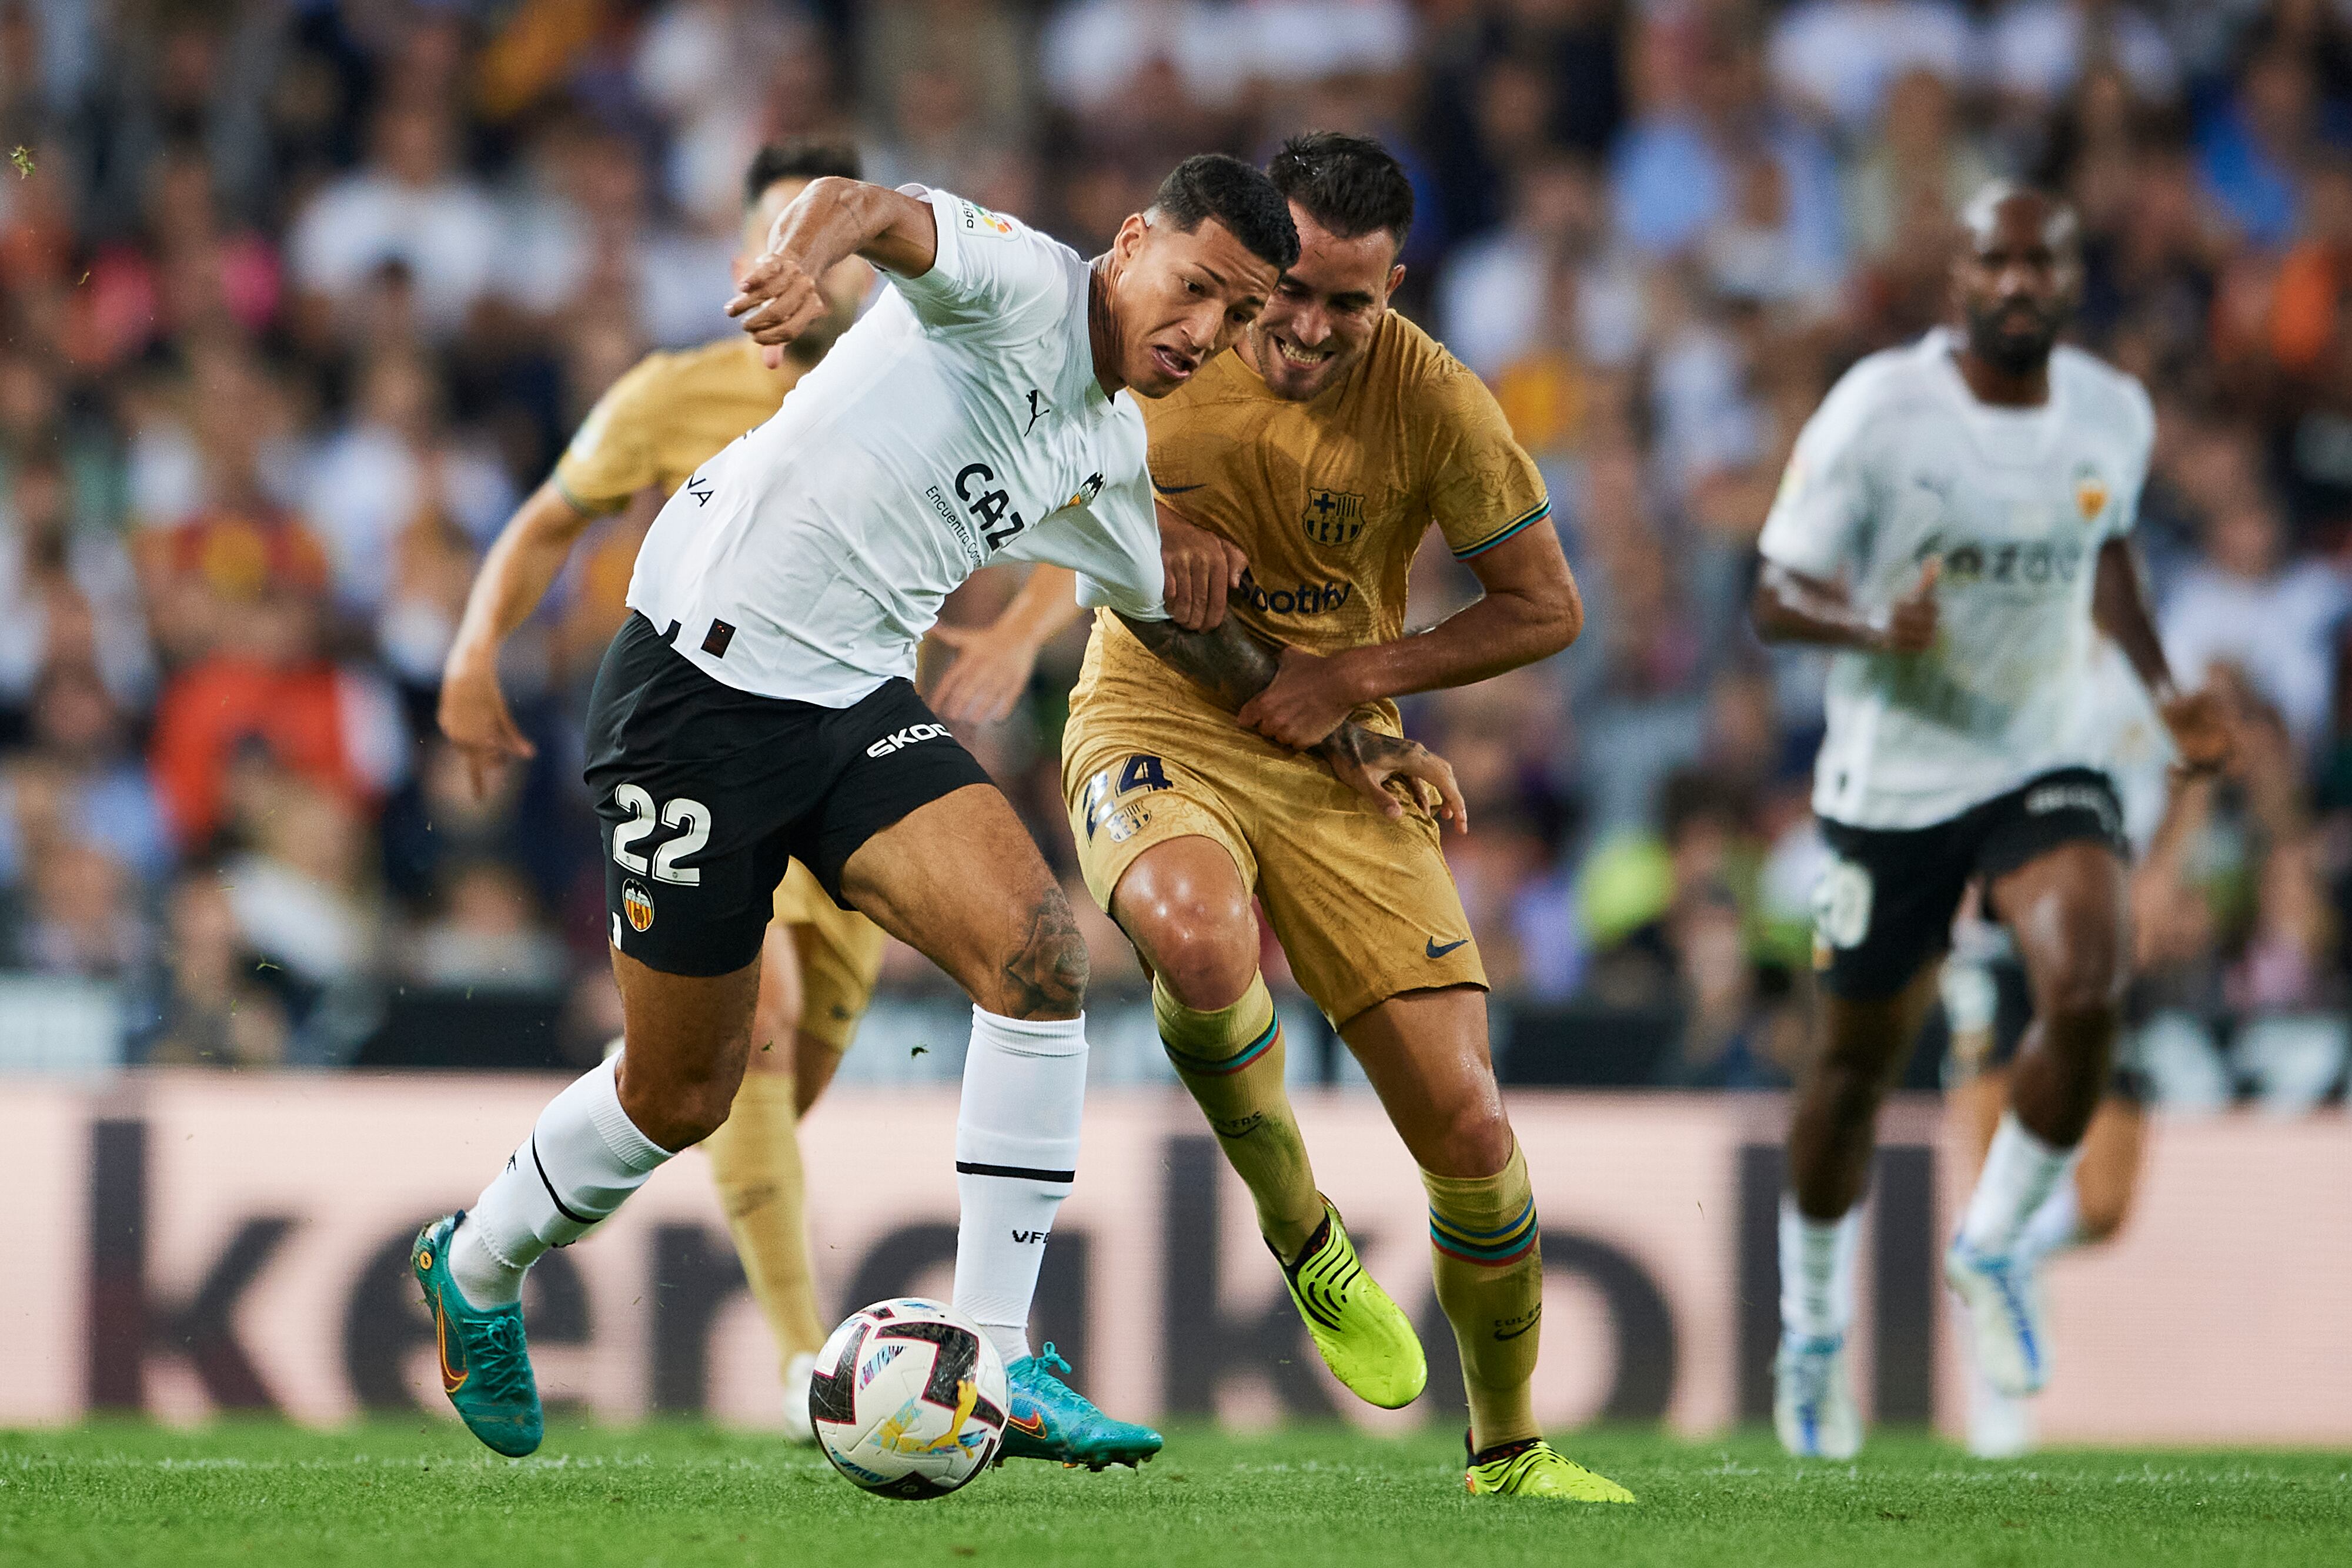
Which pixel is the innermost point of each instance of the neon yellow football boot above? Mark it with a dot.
(1363, 1338)
(1533, 1468)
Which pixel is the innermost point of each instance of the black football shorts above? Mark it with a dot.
(705, 794)
(1883, 906)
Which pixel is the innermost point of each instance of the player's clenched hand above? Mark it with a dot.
(1200, 570)
(2201, 727)
(776, 302)
(1306, 701)
(474, 717)
(1388, 771)
(992, 669)
(1909, 624)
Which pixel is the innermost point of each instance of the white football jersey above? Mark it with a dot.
(1902, 464)
(958, 423)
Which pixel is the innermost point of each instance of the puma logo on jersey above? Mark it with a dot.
(912, 735)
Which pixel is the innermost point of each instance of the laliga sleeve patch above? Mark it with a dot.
(1841, 901)
(980, 222)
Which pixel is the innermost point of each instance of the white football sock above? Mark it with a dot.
(2019, 1173)
(1024, 1094)
(2055, 1225)
(1817, 1270)
(584, 1157)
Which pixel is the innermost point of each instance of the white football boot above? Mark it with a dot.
(1813, 1398)
(798, 1428)
(2003, 1297)
(1999, 1427)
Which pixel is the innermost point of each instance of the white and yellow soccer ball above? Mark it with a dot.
(908, 1398)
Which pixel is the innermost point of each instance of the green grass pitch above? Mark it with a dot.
(422, 1495)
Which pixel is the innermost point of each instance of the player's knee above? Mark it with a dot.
(1202, 965)
(1044, 974)
(1850, 1079)
(2099, 1216)
(677, 1111)
(1200, 942)
(2082, 990)
(1477, 1141)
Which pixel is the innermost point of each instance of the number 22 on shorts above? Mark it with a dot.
(691, 817)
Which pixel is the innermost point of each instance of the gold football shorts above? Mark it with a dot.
(840, 952)
(1364, 907)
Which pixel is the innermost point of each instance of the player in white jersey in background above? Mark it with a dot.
(1987, 1008)
(757, 708)
(1954, 522)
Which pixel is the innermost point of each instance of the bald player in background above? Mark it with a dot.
(1956, 522)
(651, 430)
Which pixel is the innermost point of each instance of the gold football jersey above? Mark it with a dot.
(1329, 499)
(666, 417)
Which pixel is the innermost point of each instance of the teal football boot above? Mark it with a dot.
(1049, 1419)
(485, 1364)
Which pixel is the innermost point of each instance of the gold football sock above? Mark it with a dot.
(1482, 1239)
(1232, 1061)
(755, 1158)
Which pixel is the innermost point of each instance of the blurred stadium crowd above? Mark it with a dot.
(298, 297)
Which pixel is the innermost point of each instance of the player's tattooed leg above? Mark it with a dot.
(1047, 976)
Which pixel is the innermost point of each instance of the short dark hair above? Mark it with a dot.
(1350, 184)
(797, 161)
(1213, 186)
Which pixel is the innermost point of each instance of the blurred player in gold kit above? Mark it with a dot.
(651, 430)
(1297, 475)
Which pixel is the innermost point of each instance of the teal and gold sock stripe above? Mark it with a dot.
(1528, 519)
(1489, 1249)
(1225, 1066)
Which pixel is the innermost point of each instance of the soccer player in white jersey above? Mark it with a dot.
(757, 708)
(1955, 521)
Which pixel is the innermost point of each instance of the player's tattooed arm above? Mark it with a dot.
(1225, 662)
(1231, 666)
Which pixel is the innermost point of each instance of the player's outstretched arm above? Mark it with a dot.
(1530, 611)
(833, 219)
(1232, 667)
(1789, 606)
(993, 662)
(514, 578)
(2199, 720)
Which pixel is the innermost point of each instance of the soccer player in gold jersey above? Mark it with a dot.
(651, 430)
(1298, 473)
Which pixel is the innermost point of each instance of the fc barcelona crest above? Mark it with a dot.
(1333, 516)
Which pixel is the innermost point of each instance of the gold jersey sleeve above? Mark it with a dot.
(664, 418)
(1331, 499)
